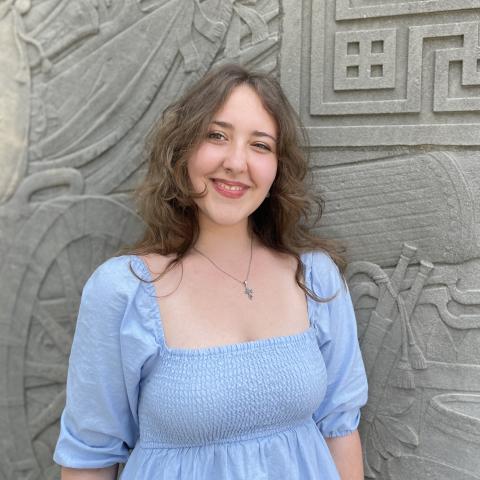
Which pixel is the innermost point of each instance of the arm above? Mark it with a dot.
(339, 414)
(109, 473)
(347, 455)
(99, 425)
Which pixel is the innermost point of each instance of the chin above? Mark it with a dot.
(228, 216)
(226, 219)
(229, 221)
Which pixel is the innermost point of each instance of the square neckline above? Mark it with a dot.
(229, 347)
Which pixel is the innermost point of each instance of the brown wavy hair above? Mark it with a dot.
(165, 198)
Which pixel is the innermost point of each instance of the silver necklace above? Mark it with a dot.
(247, 291)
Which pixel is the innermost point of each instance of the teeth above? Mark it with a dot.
(230, 187)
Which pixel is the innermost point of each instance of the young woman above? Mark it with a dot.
(223, 346)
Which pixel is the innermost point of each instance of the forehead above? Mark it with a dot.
(244, 107)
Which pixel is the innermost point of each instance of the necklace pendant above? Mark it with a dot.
(248, 291)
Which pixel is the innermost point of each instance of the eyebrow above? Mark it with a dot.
(256, 133)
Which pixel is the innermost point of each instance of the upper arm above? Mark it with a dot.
(99, 424)
(339, 412)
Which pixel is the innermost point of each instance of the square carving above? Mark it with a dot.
(375, 60)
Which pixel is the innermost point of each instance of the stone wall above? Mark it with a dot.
(389, 91)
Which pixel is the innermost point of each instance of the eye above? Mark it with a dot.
(216, 136)
(262, 146)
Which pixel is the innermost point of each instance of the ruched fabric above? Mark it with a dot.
(249, 411)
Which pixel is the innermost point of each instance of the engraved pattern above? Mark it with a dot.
(376, 206)
(365, 59)
(63, 241)
(386, 86)
(415, 349)
(468, 55)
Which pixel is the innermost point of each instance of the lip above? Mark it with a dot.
(229, 193)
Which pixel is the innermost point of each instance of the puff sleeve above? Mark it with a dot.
(99, 424)
(336, 329)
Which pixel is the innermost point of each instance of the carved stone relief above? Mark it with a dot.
(81, 84)
(419, 335)
(389, 63)
(389, 92)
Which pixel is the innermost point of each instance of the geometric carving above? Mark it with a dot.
(411, 103)
(469, 56)
(372, 52)
(358, 86)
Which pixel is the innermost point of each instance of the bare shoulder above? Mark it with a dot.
(280, 260)
(157, 265)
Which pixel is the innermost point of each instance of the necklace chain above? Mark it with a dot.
(247, 291)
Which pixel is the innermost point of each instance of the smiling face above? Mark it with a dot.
(236, 162)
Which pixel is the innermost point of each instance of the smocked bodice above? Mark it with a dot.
(231, 393)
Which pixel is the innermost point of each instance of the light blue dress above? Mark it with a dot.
(249, 411)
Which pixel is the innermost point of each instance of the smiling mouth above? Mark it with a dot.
(229, 191)
(232, 187)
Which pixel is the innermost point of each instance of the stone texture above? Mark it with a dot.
(14, 103)
(389, 92)
(390, 97)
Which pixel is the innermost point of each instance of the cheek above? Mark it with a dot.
(266, 173)
(202, 162)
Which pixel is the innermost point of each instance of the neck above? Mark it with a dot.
(228, 243)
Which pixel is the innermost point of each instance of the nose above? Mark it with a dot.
(236, 158)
